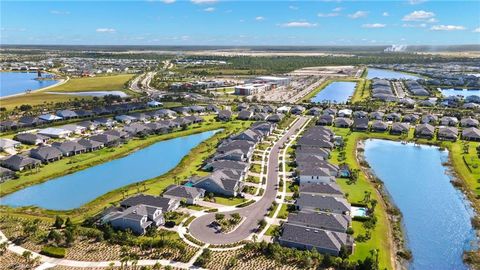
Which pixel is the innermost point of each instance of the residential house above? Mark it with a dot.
(469, 122)
(20, 163)
(331, 204)
(69, 148)
(191, 195)
(31, 139)
(67, 114)
(137, 218)
(400, 128)
(449, 121)
(106, 139)
(471, 134)
(75, 129)
(447, 133)
(224, 115)
(322, 188)
(325, 120)
(379, 126)
(55, 132)
(6, 174)
(324, 241)
(90, 145)
(46, 154)
(245, 115)
(321, 220)
(223, 181)
(166, 204)
(343, 122)
(8, 144)
(424, 131)
(360, 124)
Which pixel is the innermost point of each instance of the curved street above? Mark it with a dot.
(200, 227)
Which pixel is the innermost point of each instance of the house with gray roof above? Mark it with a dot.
(410, 118)
(313, 202)
(245, 115)
(137, 129)
(471, 134)
(67, 114)
(324, 241)
(469, 122)
(235, 155)
(376, 115)
(74, 128)
(90, 145)
(106, 139)
(379, 126)
(191, 195)
(224, 115)
(400, 128)
(158, 128)
(249, 135)
(426, 131)
(6, 174)
(313, 174)
(327, 189)
(137, 218)
(20, 163)
(69, 148)
(55, 132)
(394, 117)
(343, 122)
(46, 154)
(325, 120)
(106, 122)
(447, 133)
(324, 153)
(166, 204)
(8, 144)
(321, 220)
(449, 121)
(239, 166)
(360, 124)
(223, 182)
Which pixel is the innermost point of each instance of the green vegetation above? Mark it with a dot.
(102, 83)
(229, 201)
(55, 252)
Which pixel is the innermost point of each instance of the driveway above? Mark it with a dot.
(200, 229)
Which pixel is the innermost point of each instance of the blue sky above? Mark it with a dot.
(210, 22)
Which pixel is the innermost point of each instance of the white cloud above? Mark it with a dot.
(447, 27)
(59, 12)
(358, 14)
(169, 1)
(326, 15)
(293, 7)
(416, 2)
(408, 25)
(209, 9)
(199, 2)
(299, 24)
(385, 14)
(259, 18)
(374, 25)
(106, 30)
(476, 30)
(337, 9)
(420, 16)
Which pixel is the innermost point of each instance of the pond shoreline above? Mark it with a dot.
(395, 216)
(59, 82)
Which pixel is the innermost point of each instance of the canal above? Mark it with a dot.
(74, 190)
(436, 216)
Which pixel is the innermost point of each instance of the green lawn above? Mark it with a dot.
(103, 83)
(283, 213)
(229, 201)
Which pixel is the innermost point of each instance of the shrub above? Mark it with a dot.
(51, 251)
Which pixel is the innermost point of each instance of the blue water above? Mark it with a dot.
(436, 216)
(338, 92)
(389, 74)
(464, 93)
(17, 82)
(73, 190)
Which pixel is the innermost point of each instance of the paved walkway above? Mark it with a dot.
(200, 228)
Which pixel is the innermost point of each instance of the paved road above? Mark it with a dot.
(200, 229)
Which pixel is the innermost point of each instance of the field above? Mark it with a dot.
(103, 83)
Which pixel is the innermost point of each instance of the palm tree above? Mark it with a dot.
(27, 255)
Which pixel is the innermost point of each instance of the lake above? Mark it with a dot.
(436, 216)
(338, 92)
(12, 83)
(74, 190)
(463, 92)
(389, 74)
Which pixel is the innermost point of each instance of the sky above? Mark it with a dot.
(217, 22)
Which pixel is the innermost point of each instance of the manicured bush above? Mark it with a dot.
(55, 252)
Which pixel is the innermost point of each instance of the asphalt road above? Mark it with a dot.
(200, 228)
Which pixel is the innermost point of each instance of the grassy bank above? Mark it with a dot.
(189, 165)
(102, 83)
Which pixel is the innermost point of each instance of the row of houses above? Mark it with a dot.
(231, 161)
(381, 89)
(108, 138)
(323, 215)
